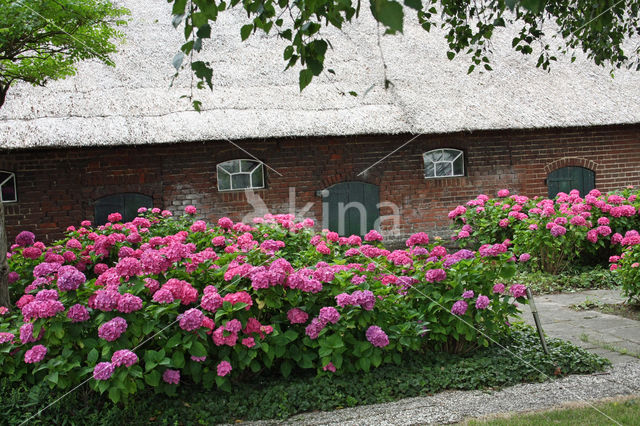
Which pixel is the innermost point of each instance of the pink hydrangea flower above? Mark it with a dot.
(518, 290)
(503, 193)
(13, 277)
(373, 235)
(171, 376)
(329, 367)
(558, 230)
(114, 217)
(482, 302)
(124, 357)
(225, 223)
(224, 368)
(25, 238)
(128, 303)
(459, 308)
(314, 328)
(190, 210)
(112, 330)
(6, 337)
(106, 300)
(524, 257)
(69, 278)
(435, 275)
(329, 314)
(377, 337)
(31, 252)
(163, 296)
(323, 249)
(78, 313)
(420, 238)
(249, 342)
(35, 354)
(468, 294)
(297, 316)
(198, 226)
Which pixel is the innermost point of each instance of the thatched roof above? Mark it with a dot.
(253, 97)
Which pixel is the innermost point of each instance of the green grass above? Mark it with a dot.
(272, 397)
(625, 411)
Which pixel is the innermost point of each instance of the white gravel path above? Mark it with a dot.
(455, 406)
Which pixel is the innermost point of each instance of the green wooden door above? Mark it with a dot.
(351, 208)
(126, 204)
(568, 178)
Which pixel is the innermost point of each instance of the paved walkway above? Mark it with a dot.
(604, 334)
(558, 320)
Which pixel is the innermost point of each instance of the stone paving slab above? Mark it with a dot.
(558, 320)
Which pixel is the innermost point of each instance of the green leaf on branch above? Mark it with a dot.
(245, 32)
(389, 13)
(306, 75)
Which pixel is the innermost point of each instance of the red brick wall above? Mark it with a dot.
(58, 187)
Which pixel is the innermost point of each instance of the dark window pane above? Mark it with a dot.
(458, 166)
(232, 166)
(429, 169)
(257, 180)
(8, 187)
(248, 165)
(450, 154)
(240, 181)
(444, 169)
(436, 155)
(224, 180)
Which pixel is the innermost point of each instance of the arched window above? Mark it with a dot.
(567, 178)
(127, 204)
(8, 193)
(444, 162)
(240, 174)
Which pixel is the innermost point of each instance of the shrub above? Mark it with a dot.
(555, 233)
(163, 300)
(275, 397)
(627, 266)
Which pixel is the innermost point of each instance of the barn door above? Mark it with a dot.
(568, 178)
(350, 208)
(126, 204)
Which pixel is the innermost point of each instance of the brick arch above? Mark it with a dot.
(351, 176)
(572, 161)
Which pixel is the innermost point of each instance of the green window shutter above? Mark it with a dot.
(127, 204)
(351, 208)
(567, 178)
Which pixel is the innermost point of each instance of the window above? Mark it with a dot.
(126, 204)
(240, 174)
(8, 193)
(443, 163)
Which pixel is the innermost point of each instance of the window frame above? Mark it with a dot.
(12, 175)
(249, 173)
(451, 162)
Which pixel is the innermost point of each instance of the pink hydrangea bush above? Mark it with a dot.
(163, 300)
(627, 265)
(551, 234)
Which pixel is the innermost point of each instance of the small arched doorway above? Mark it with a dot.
(567, 178)
(350, 208)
